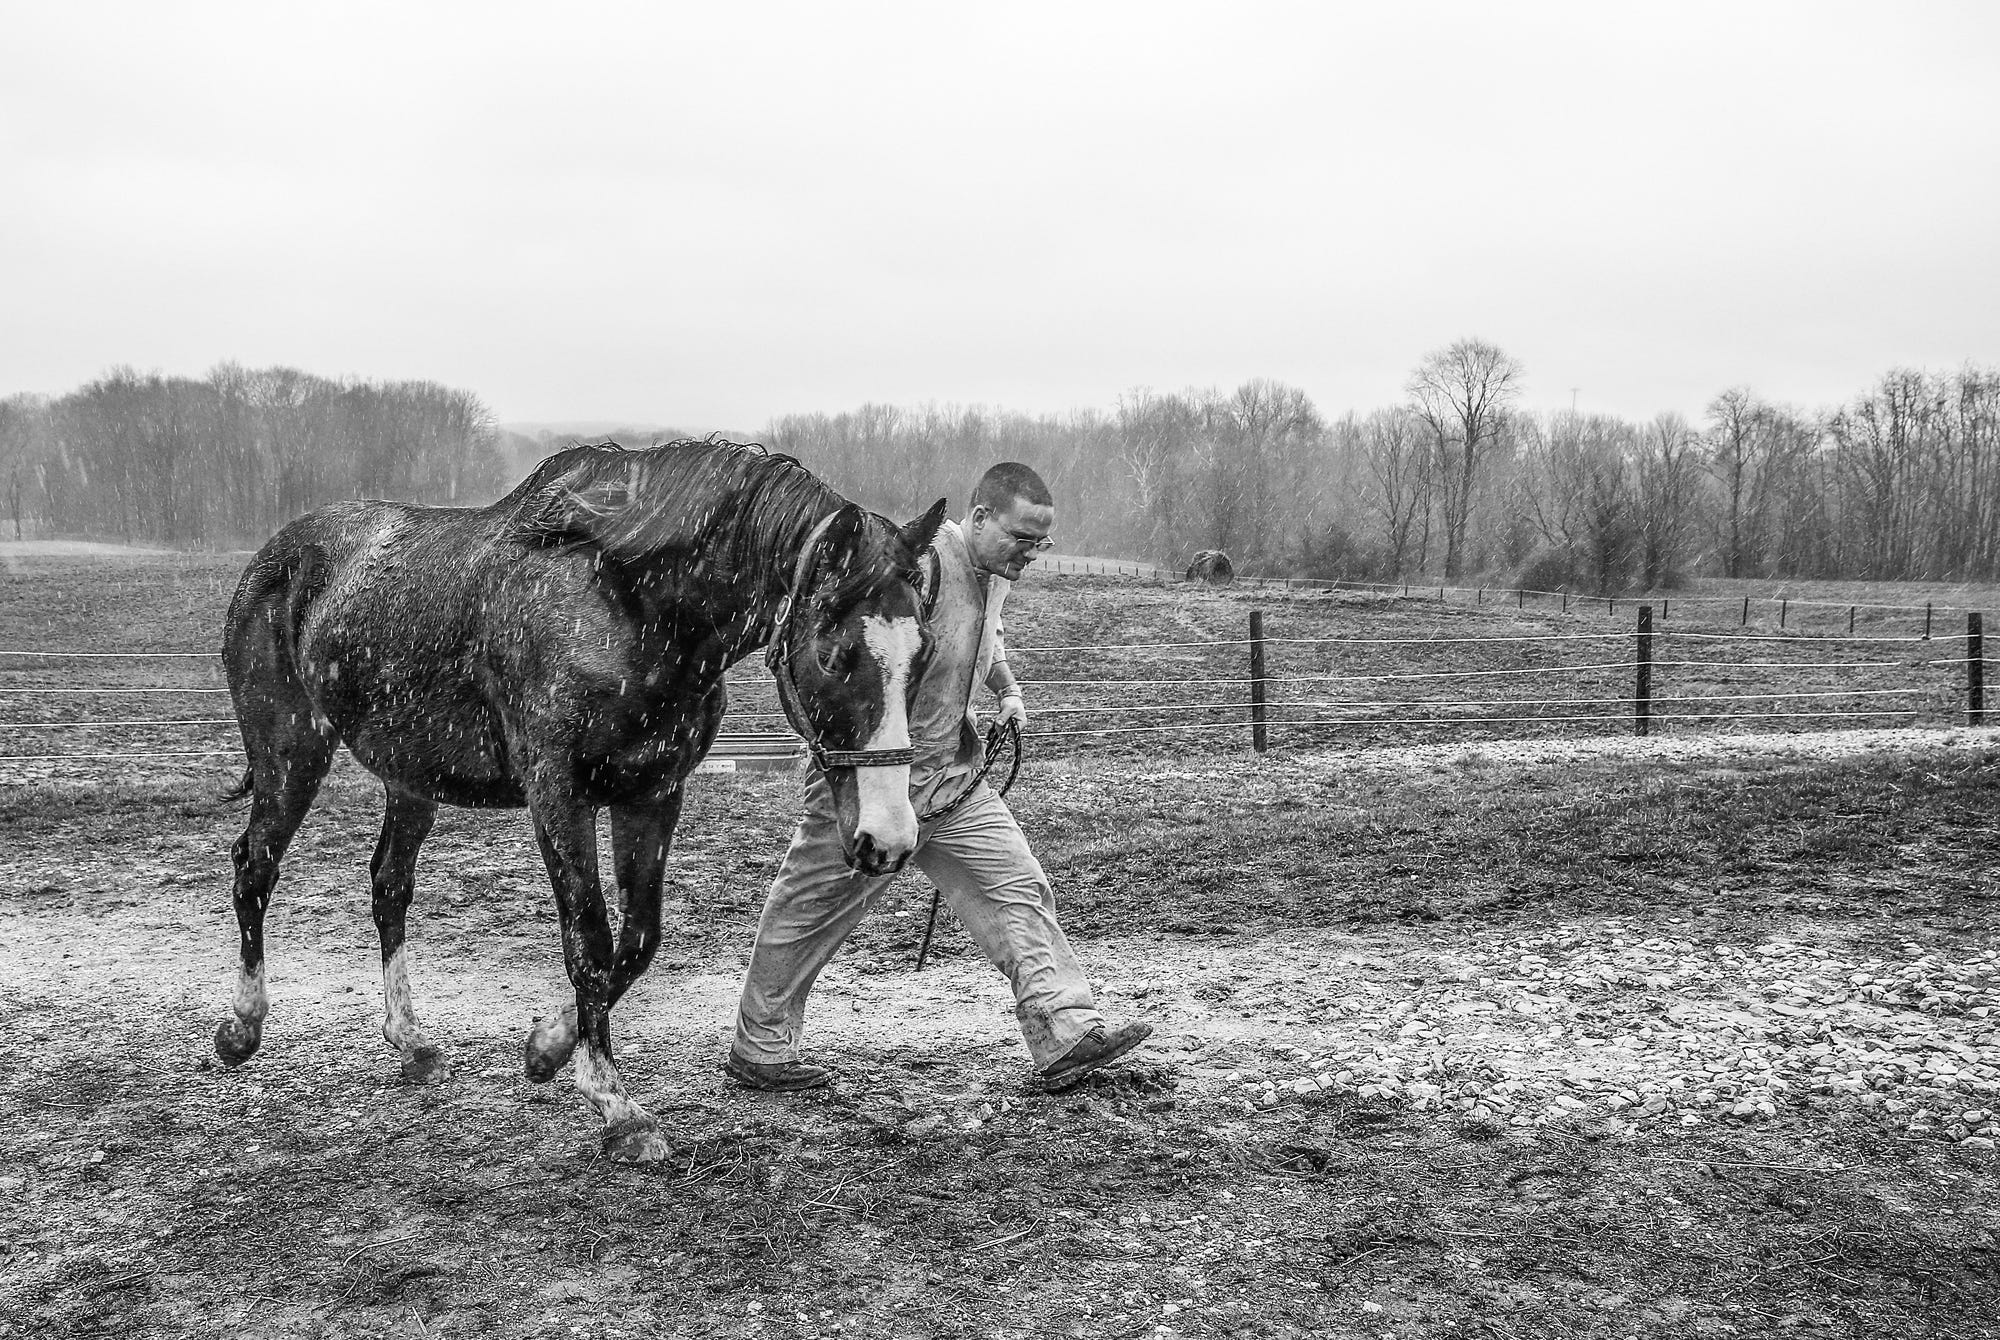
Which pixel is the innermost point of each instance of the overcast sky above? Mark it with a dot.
(708, 216)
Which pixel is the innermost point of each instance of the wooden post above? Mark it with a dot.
(1440, 595)
(1975, 671)
(1565, 600)
(1746, 611)
(1663, 609)
(1850, 621)
(1610, 608)
(1521, 597)
(1258, 738)
(1927, 621)
(1642, 687)
(1783, 606)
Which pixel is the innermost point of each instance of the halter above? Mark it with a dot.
(778, 658)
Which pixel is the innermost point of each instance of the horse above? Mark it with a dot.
(1212, 567)
(563, 650)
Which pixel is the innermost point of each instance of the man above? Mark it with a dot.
(976, 854)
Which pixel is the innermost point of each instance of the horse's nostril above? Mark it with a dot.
(872, 858)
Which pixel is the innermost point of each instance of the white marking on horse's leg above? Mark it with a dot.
(550, 1043)
(597, 1079)
(238, 1037)
(631, 1133)
(252, 1001)
(400, 1028)
(884, 793)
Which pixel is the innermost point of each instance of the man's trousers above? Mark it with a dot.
(993, 884)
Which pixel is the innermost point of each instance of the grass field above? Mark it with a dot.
(1162, 669)
(1588, 1036)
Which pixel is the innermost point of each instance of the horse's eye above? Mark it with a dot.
(836, 658)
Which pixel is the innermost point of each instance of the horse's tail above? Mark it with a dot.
(276, 590)
(261, 638)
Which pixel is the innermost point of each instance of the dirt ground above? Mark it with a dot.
(1690, 1036)
(1669, 1042)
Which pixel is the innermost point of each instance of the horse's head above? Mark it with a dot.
(847, 650)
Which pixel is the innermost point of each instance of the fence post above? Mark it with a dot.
(1746, 611)
(1610, 608)
(1440, 595)
(1664, 600)
(1850, 621)
(1565, 600)
(1783, 606)
(1975, 671)
(1642, 687)
(1258, 739)
(1521, 597)
(1927, 621)
(1481, 598)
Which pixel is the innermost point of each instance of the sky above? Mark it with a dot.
(709, 216)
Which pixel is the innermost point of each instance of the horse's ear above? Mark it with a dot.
(580, 505)
(917, 536)
(843, 532)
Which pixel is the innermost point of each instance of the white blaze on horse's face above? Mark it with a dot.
(886, 814)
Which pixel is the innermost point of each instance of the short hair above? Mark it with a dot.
(1008, 481)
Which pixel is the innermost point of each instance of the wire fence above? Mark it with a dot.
(61, 707)
(1783, 610)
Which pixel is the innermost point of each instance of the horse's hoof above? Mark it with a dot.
(236, 1041)
(548, 1048)
(543, 1063)
(426, 1065)
(638, 1140)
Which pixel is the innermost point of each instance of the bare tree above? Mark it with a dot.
(1738, 444)
(1397, 487)
(1579, 487)
(1277, 432)
(1887, 443)
(1795, 495)
(1969, 501)
(1667, 476)
(1462, 393)
(23, 434)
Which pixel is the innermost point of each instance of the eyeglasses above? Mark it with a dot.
(1035, 544)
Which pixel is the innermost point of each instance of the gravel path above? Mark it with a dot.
(1802, 746)
(1603, 1023)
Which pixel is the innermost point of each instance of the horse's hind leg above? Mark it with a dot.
(285, 776)
(406, 822)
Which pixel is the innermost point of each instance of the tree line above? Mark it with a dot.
(1456, 480)
(226, 459)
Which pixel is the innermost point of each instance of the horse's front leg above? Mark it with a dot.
(640, 836)
(599, 971)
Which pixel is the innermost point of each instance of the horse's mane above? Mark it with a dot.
(733, 510)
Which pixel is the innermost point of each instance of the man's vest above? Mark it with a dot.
(961, 611)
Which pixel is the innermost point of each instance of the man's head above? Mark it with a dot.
(1011, 517)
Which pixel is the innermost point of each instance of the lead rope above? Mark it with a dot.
(996, 738)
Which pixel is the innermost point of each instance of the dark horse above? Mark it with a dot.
(564, 650)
